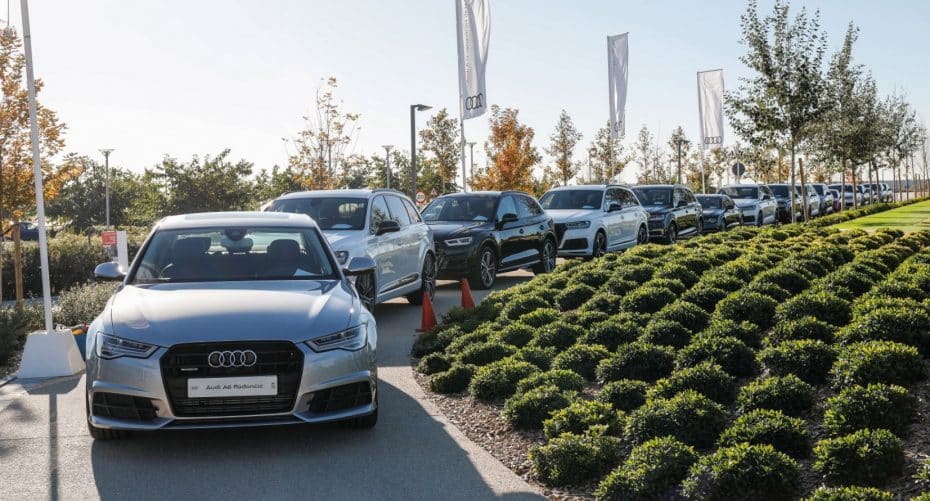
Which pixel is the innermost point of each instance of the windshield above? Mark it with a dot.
(330, 213)
(654, 196)
(460, 209)
(819, 188)
(781, 190)
(233, 254)
(837, 188)
(710, 202)
(572, 199)
(740, 192)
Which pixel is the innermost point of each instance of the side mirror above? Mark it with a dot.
(509, 217)
(614, 207)
(109, 271)
(682, 203)
(387, 226)
(359, 266)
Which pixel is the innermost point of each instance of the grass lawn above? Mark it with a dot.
(908, 218)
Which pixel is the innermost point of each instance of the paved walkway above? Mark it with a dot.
(413, 453)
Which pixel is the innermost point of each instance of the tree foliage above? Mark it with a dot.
(561, 148)
(511, 153)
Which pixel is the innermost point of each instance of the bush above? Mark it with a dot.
(766, 426)
(454, 380)
(821, 305)
(433, 363)
(612, 333)
(786, 393)
(639, 273)
(857, 282)
(540, 317)
(559, 335)
(730, 353)
(647, 299)
(561, 379)
(747, 306)
(592, 278)
(651, 470)
(801, 328)
(521, 305)
(877, 362)
(873, 406)
(705, 297)
(574, 296)
(808, 359)
(785, 278)
(768, 290)
(574, 459)
(465, 341)
(907, 326)
(499, 380)
(705, 378)
(540, 357)
(529, 410)
(676, 271)
(435, 340)
(624, 395)
(743, 471)
(746, 332)
(688, 416)
(672, 284)
(485, 353)
(666, 333)
(643, 361)
(580, 416)
(585, 318)
(866, 457)
(619, 286)
(82, 303)
(14, 326)
(604, 302)
(581, 358)
(723, 281)
(517, 334)
(851, 493)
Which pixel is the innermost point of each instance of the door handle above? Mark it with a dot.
(521, 231)
(541, 227)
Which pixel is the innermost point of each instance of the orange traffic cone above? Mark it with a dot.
(467, 301)
(428, 320)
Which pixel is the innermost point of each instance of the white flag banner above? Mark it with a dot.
(618, 53)
(474, 33)
(710, 107)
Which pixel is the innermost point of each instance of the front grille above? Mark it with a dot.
(559, 231)
(575, 244)
(278, 358)
(341, 397)
(115, 405)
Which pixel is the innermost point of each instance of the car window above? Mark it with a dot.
(330, 213)
(688, 196)
(460, 208)
(411, 211)
(676, 197)
(766, 192)
(728, 202)
(572, 199)
(527, 207)
(506, 207)
(628, 199)
(379, 212)
(613, 196)
(398, 211)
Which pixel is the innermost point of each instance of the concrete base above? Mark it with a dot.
(51, 354)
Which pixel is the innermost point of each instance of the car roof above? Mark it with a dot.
(668, 186)
(351, 193)
(220, 219)
(588, 187)
(741, 185)
(459, 194)
(715, 195)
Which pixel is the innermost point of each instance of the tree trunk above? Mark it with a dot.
(869, 169)
(805, 206)
(843, 186)
(18, 264)
(854, 190)
(791, 192)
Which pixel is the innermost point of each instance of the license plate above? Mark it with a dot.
(250, 386)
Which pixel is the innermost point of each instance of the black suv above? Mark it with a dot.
(782, 194)
(480, 234)
(673, 211)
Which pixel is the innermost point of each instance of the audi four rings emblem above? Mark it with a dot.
(232, 358)
(474, 102)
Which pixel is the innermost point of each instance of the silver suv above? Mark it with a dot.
(231, 320)
(380, 224)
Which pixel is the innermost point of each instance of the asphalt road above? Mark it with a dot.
(413, 453)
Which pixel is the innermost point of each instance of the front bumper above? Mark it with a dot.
(324, 378)
(657, 228)
(456, 262)
(576, 243)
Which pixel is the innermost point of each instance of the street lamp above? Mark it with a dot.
(106, 160)
(414, 108)
(471, 165)
(387, 159)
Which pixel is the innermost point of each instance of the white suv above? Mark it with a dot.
(592, 220)
(380, 224)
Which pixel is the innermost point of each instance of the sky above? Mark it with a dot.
(185, 77)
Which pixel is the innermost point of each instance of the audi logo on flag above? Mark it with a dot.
(474, 102)
(231, 358)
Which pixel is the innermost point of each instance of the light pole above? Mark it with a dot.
(471, 165)
(387, 160)
(414, 108)
(106, 160)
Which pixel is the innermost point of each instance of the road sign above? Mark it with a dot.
(108, 238)
(738, 169)
(421, 197)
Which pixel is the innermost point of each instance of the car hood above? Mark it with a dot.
(712, 212)
(452, 229)
(167, 314)
(567, 215)
(745, 202)
(656, 210)
(340, 239)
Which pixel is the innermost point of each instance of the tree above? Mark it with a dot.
(201, 185)
(606, 157)
(82, 201)
(274, 183)
(323, 143)
(786, 94)
(645, 153)
(679, 145)
(440, 139)
(510, 152)
(562, 147)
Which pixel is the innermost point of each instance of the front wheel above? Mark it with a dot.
(642, 236)
(427, 281)
(367, 292)
(671, 234)
(547, 257)
(760, 220)
(484, 276)
(600, 245)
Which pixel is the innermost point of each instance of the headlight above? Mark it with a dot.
(114, 347)
(656, 217)
(352, 339)
(711, 219)
(578, 225)
(457, 242)
(342, 256)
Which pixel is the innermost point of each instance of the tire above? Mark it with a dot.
(366, 287)
(484, 276)
(760, 220)
(600, 245)
(547, 258)
(642, 236)
(427, 281)
(671, 234)
(102, 433)
(700, 228)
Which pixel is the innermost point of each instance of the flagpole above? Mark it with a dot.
(701, 132)
(458, 39)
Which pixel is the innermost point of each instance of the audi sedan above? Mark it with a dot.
(228, 320)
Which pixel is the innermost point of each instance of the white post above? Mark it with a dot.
(37, 168)
(462, 142)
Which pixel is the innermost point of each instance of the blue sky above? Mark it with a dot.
(184, 77)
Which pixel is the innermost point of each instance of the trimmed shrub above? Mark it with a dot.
(873, 406)
(465, 341)
(580, 416)
(706, 297)
(517, 334)
(766, 426)
(562, 379)
(529, 410)
(581, 358)
(723, 281)
(433, 363)
(672, 284)
(899, 289)
(499, 380)
(624, 395)
(604, 302)
(767, 289)
(877, 362)
(676, 271)
(485, 353)
(639, 273)
(747, 306)
(907, 326)
(821, 305)
(585, 318)
(850, 493)
(540, 317)
(652, 469)
(454, 380)
(666, 333)
(540, 357)
(574, 296)
(435, 340)
(743, 471)
(647, 299)
(730, 353)
(705, 378)
(592, 278)
(619, 286)
(785, 278)
(612, 333)
(643, 361)
(783, 393)
(808, 359)
(800, 328)
(865, 457)
(688, 416)
(746, 332)
(82, 303)
(858, 282)
(14, 326)
(559, 335)
(518, 306)
(572, 459)
(690, 315)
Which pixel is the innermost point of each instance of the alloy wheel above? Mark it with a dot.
(488, 268)
(548, 256)
(643, 236)
(600, 245)
(429, 276)
(365, 285)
